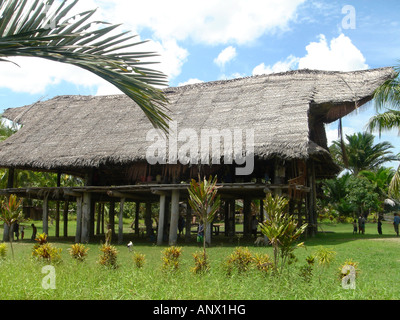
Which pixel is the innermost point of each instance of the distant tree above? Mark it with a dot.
(388, 95)
(362, 152)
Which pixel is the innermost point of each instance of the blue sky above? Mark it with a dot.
(223, 39)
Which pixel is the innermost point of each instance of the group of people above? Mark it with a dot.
(359, 226)
(18, 230)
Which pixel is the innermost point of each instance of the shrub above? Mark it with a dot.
(3, 250)
(263, 262)
(47, 252)
(139, 260)
(200, 263)
(170, 258)
(325, 256)
(78, 252)
(109, 255)
(343, 271)
(240, 260)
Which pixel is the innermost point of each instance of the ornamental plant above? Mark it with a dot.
(78, 251)
(281, 230)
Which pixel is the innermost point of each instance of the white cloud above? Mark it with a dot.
(190, 81)
(281, 66)
(207, 21)
(225, 56)
(340, 55)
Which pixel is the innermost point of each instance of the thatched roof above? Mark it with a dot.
(285, 110)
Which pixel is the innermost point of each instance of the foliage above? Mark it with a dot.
(109, 255)
(49, 30)
(3, 250)
(350, 195)
(362, 152)
(281, 230)
(240, 260)
(263, 262)
(201, 264)
(43, 250)
(11, 212)
(78, 251)
(324, 256)
(306, 271)
(139, 259)
(351, 263)
(204, 201)
(47, 252)
(170, 258)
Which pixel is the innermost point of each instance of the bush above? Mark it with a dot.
(47, 252)
(240, 260)
(201, 264)
(170, 258)
(109, 255)
(139, 260)
(3, 250)
(78, 252)
(263, 262)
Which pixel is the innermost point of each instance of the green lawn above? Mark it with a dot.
(378, 258)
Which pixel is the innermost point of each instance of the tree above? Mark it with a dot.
(47, 29)
(11, 212)
(204, 201)
(388, 94)
(362, 152)
(281, 229)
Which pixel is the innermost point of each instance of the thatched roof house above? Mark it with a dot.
(107, 134)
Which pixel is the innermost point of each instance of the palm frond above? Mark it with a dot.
(46, 29)
(385, 121)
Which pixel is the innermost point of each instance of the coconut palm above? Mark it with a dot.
(388, 94)
(362, 153)
(47, 29)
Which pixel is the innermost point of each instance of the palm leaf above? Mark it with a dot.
(45, 29)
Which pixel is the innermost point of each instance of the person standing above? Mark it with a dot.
(34, 230)
(380, 225)
(396, 222)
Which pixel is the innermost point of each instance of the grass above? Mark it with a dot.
(378, 258)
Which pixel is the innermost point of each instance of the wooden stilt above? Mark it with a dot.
(120, 221)
(78, 233)
(65, 218)
(46, 214)
(173, 231)
(161, 220)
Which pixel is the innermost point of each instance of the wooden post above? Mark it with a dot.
(102, 217)
(120, 221)
(58, 208)
(147, 221)
(226, 217)
(246, 217)
(45, 214)
(86, 206)
(161, 220)
(188, 223)
(173, 229)
(10, 181)
(111, 219)
(78, 233)
(232, 218)
(65, 218)
(98, 218)
(137, 211)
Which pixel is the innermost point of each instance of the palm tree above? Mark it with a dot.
(362, 153)
(388, 94)
(46, 29)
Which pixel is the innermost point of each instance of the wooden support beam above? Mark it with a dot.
(86, 206)
(173, 230)
(137, 212)
(65, 218)
(78, 233)
(120, 221)
(161, 220)
(45, 216)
